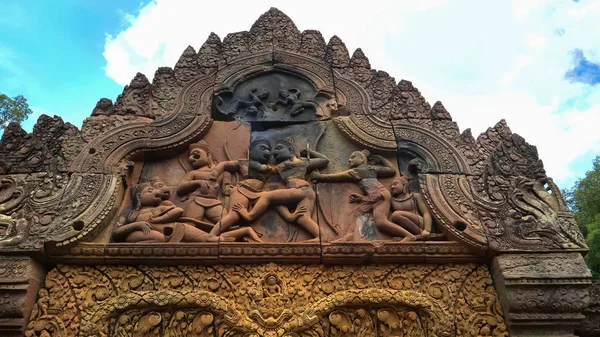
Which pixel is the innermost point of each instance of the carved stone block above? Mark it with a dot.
(20, 279)
(542, 294)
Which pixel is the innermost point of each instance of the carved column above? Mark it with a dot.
(542, 294)
(20, 279)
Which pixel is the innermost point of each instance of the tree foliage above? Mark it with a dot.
(584, 200)
(13, 109)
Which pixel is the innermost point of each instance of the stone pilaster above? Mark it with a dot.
(542, 294)
(20, 279)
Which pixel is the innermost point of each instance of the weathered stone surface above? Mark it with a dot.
(542, 294)
(20, 279)
(590, 326)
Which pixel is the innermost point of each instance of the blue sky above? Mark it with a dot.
(534, 63)
(51, 53)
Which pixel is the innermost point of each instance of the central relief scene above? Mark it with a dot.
(274, 167)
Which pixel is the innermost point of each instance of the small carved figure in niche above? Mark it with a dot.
(248, 190)
(271, 286)
(409, 209)
(291, 100)
(252, 107)
(292, 170)
(203, 184)
(365, 169)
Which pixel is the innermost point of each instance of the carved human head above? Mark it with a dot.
(260, 150)
(200, 155)
(358, 158)
(145, 195)
(284, 149)
(400, 186)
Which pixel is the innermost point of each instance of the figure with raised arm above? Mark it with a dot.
(294, 171)
(364, 170)
(247, 191)
(203, 183)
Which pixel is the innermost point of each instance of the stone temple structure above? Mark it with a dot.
(271, 184)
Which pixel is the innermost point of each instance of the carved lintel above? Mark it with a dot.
(542, 294)
(20, 279)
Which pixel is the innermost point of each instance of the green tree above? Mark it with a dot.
(584, 200)
(13, 109)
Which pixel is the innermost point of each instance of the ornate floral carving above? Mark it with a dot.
(267, 300)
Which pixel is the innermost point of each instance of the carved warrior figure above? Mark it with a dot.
(290, 99)
(203, 183)
(248, 190)
(156, 219)
(293, 171)
(365, 169)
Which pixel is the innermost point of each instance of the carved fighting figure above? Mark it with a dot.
(365, 169)
(409, 210)
(245, 193)
(293, 171)
(156, 219)
(294, 105)
(254, 107)
(203, 184)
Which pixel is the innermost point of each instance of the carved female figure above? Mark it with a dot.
(409, 209)
(365, 169)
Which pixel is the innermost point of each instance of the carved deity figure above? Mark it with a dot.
(293, 170)
(409, 210)
(364, 170)
(156, 219)
(247, 191)
(203, 183)
(291, 100)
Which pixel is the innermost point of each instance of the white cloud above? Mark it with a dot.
(485, 60)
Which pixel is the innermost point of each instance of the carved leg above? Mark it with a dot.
(380, 214)
(407, 221)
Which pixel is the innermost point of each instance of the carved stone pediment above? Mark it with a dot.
(272, 147)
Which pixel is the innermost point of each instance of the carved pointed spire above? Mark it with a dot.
(165, 88)
(235, 44)
(439, 112)
(187, 67)
(360, 68)
(337, 53)
(409, 103)
(135, 98)
(313, 44)
(210, 55)
(274, 29)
